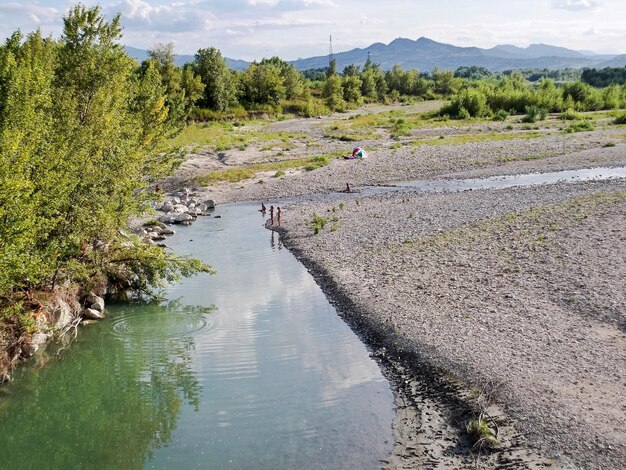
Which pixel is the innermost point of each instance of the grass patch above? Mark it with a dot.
(469, 138)
(235, 175)
(583, 126)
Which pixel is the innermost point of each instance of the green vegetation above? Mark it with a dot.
(514, 95)
(480, 433)
(534, 114)
(318, 223)
(582, 126)
(604, 77)
(464, 139)
(621, 119)
(82, 130)
(235, 175)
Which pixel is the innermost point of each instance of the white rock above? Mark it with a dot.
(91, 314)
(182, 217)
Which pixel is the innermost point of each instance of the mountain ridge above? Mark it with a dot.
(425, 54)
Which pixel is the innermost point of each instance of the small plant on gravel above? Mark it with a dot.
(580, 127)
(620, 119)
(609, 144)
(570, 115)
(481, 434)
(279, 173)
(318, 223)
(341, 205)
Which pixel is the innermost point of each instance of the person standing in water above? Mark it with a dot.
(271, 215)
(278, 215)
(263, 209)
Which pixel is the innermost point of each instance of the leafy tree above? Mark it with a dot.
(80, 143)
(263, 83)
(352, 89)
(220, 85)
(333, 93)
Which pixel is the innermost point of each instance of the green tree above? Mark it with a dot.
(352, 89)
(263, 83)
(220, 85)
(333, 93)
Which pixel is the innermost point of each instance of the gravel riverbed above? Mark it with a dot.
(514, 293)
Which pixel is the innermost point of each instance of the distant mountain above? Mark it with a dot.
(617, 61)
(426, 54)
(140, 55)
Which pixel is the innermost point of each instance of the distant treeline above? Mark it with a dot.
(604, 77)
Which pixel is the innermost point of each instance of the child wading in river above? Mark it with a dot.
(271, 215)
(278, 218)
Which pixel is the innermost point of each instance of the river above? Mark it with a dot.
(249, 368)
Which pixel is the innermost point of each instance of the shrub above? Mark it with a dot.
(570, 115)
(501, 115)
(580, 127)
(534, 114)
(620, 119)
(318, 223)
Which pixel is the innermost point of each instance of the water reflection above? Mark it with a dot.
(271, 379)
(110, 401)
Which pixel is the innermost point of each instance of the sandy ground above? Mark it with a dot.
(516, 293)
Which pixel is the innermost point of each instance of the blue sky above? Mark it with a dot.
(252, 29)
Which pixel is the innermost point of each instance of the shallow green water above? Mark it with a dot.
(272, 378)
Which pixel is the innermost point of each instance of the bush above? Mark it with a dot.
(580, 127)
(318, 223)
(501, 115)
(534, 114)
(620, 119)
(570, 115)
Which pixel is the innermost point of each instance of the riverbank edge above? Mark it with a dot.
(424, 390)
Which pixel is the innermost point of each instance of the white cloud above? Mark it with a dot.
(174, 17)
(575, 5)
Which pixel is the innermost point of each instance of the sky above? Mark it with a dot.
(291, 29)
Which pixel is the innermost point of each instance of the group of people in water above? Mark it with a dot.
(263, 210)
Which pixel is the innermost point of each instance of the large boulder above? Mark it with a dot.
(182, 217)
(210, 203)
(91, 314)
(63, 314)
(167, 218)
(34, 343)
(94, 302)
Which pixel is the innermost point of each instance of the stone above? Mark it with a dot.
(91, 314)
(167, 231)
(210, 203)
(182, 217)
(34, 343)
(180, 208)
(95, 302)
(63, 314)
(167, 218)
(201, 208)
(167, 206)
